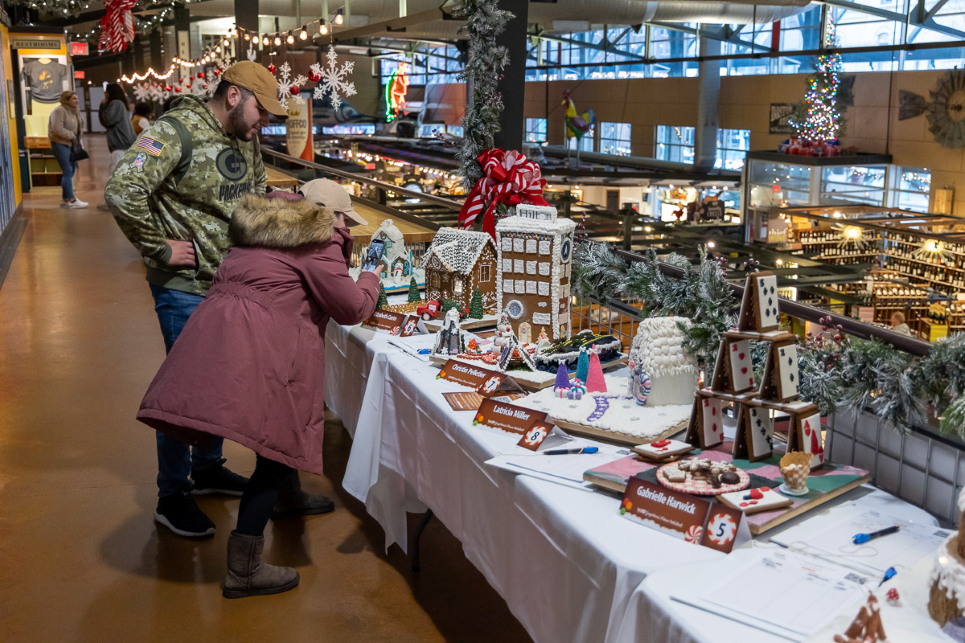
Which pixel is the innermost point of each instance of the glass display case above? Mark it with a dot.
(773, 180)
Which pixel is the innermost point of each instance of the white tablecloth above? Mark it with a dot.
(569, 566)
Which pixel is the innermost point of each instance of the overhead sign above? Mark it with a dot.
(35, 42)
(78, 75)
(78, 49)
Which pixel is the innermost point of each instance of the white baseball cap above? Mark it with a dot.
(333, 196)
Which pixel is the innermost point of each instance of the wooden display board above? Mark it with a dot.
(614, 437)
(825, 484)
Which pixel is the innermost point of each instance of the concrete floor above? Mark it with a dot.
(80, 556)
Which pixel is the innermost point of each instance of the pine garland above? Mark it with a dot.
(835, 371)
(702, 295)
(484, 67)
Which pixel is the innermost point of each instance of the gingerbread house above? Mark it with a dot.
(457, 263)
(535, 250)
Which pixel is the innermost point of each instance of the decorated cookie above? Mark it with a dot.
(662, 449)
(755, 500)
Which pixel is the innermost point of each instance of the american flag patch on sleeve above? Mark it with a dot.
(150, 145)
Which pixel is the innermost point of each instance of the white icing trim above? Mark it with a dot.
(949, 571)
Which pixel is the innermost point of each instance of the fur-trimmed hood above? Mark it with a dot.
(279, 223)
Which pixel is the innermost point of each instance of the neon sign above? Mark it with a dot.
(395, 91)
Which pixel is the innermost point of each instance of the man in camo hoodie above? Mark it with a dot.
(173, 195)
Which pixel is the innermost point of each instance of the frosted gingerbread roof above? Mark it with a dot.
(658, 347)
(527, 224)
(458, 250)
(391, 231)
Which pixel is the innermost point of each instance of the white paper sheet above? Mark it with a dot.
(559, 468)
(778, 591)
(833, 541)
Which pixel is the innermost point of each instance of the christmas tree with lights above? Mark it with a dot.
(824, 115)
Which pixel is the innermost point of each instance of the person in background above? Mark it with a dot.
(115, 116)
(898, 324)
(142, 117)
(250, 363)
(64, 130)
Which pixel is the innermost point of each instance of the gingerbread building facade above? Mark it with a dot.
(535, 252)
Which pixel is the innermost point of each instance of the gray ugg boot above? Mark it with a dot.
(292, 501)
(248, 576)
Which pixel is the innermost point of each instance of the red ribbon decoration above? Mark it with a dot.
(508, 177)
(117, 25)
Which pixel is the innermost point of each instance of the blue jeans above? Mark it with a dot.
(175, 458)
(68, 167)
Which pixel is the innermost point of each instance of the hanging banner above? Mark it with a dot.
(299, 139)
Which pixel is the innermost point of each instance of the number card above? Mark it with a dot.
(535, 435)
(681, 515)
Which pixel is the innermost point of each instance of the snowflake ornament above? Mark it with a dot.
(142, 93)
(333, 79)
(252, 54)
(288, 86)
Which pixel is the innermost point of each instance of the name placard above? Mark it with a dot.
(507, 417)
(386, 320)
(482, 380)
(681, 515)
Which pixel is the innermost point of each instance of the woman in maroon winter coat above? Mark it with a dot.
(250, 363)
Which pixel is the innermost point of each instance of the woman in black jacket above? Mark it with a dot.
(115, 115)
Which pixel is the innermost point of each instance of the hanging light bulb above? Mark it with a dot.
(339, 18)
(226, 42)
(277, 41)
(323, 29)
(303, 35)
(290, 39)
(247, 36)
(266, 40)
(217, 49)
(234, 32)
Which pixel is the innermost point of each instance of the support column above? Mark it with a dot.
(138, 47)
(157, 61)
(182, 31)
(246, 14)
(708, 110)
(513, 84)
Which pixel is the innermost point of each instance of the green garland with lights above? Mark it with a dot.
(836, 371)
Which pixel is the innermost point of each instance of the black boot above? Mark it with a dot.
(292, 501)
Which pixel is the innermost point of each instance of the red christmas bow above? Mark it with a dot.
(507, 178)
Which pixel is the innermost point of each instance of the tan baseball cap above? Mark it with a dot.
(259, 81)
(333, 196)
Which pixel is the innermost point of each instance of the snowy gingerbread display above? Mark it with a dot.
(657, 354)
(614, 412)
(449, 339)
(457, 263)
(534, 259)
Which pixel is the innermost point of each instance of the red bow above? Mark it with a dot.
(507, 178)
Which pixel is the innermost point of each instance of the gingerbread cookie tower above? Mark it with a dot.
(734, 382)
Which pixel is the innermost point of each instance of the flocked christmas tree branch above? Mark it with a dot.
(835, 370)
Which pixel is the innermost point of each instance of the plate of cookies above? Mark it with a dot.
(703, 477)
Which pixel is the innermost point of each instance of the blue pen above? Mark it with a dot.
(572, 451)
(860, 539)
(424, 351)
(888, 576)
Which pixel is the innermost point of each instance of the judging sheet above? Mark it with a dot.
(832, 540)
(780, 592)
